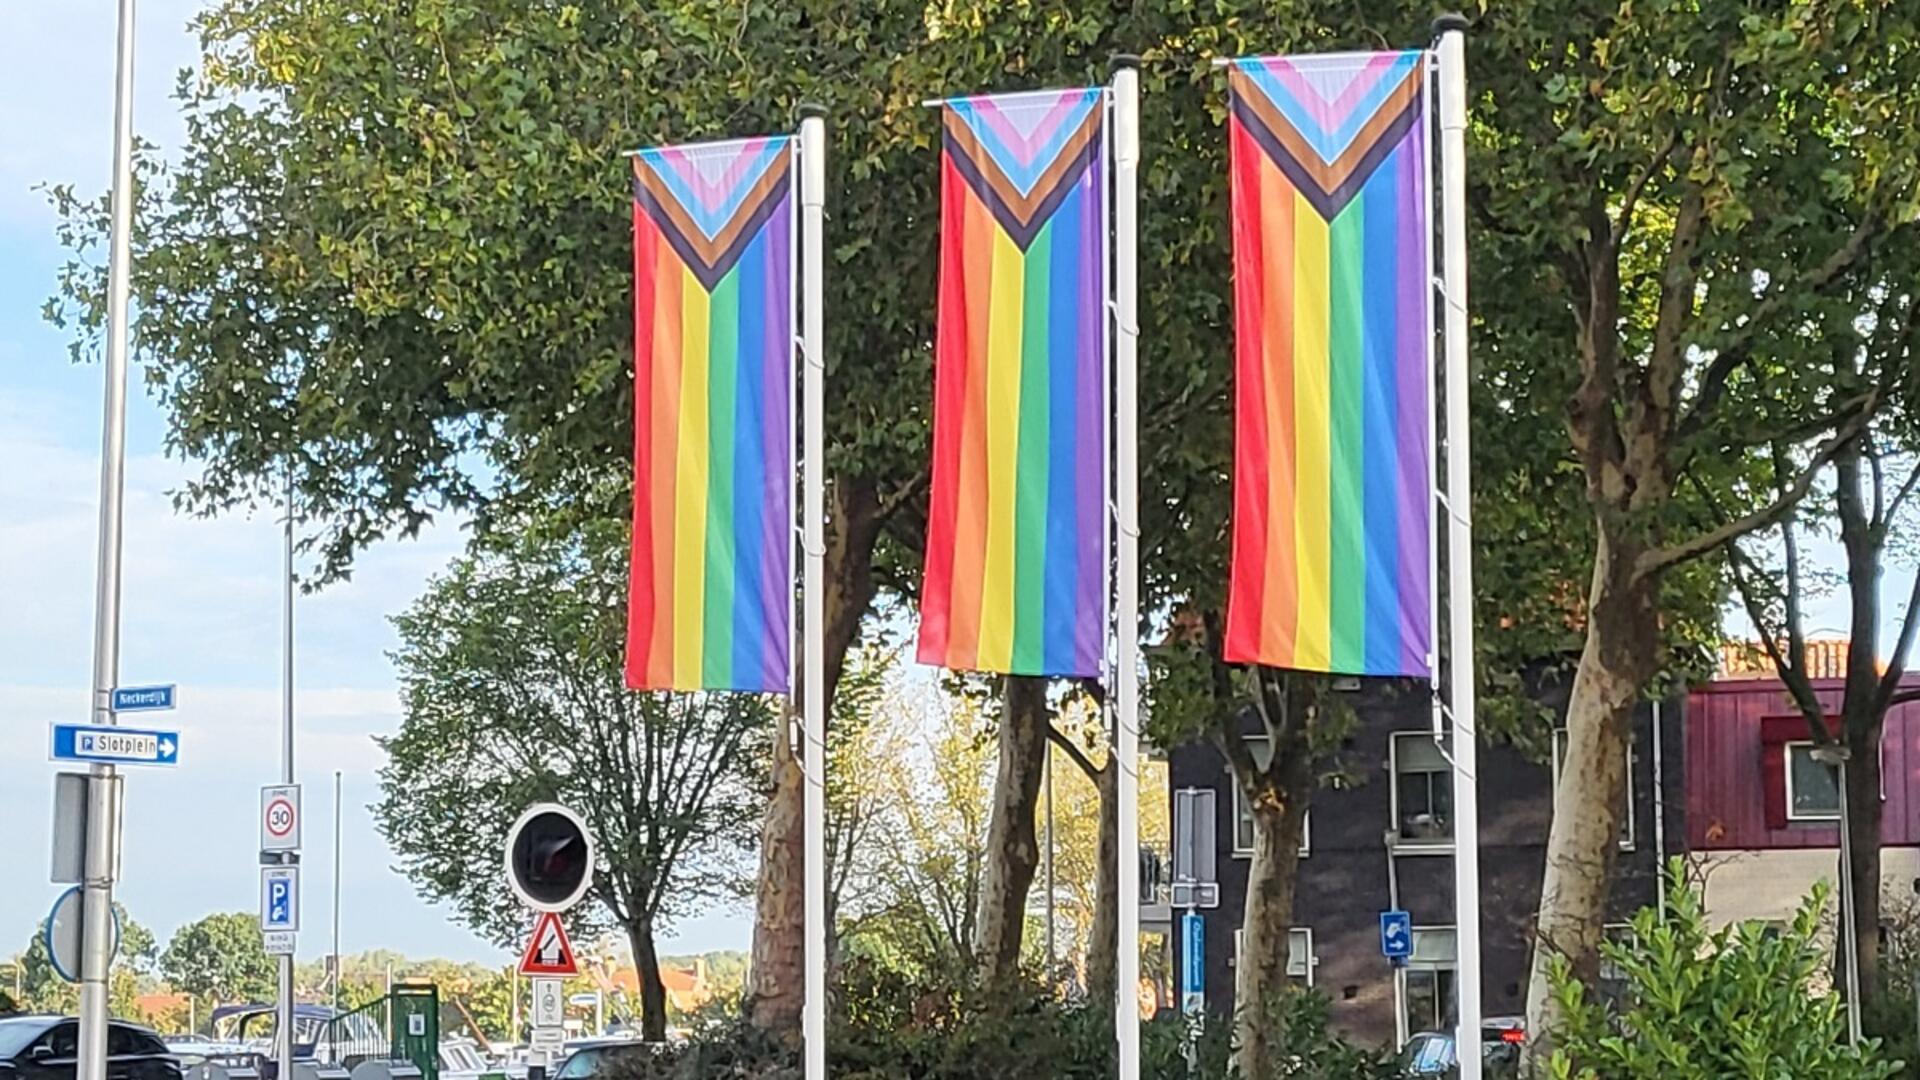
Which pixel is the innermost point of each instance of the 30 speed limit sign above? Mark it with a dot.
(280, 818)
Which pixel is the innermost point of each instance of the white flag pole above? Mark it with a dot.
(1126, 675)
(1451, 31)
(813, 182)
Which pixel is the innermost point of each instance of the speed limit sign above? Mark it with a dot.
(280, 818)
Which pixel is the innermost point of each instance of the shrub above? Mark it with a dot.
(1698, 1004)
(889, 1026)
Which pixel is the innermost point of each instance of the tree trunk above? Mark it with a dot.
(1260, 976)
(1864, 811)
(776, 985)
(653, 992)
(1013, 852)
(1103, 954)
(1619, 658)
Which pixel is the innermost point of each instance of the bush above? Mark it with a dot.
(1700, 1004)
(887, 1026)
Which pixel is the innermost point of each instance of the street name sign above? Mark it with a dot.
(278, 942)
(280, 817)
(142, 698)
(1193, 963)
(114, 745)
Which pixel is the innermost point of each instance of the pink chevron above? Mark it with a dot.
(1028, 144)
(712, 190)
(1332, 113)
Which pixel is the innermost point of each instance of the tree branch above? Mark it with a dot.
(1661, 559)
(1639, 186)
(1735, 353)
(1897, 661)
(1059, 739)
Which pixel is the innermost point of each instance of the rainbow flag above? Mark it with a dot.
(1016, 534)
(711, 594)
(1332, 487)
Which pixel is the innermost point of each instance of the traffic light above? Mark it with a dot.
(549, 857)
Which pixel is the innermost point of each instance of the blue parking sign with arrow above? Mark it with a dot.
(1396, 935)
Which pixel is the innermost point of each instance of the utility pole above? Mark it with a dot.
(102, 860)
(286, 777)
(336, 892)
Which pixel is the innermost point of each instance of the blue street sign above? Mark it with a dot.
(1396, 935)
(115, 745)
(142, 698)
(279, 898)
(1193, 963)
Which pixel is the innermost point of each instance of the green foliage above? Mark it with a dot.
(1743, 1001)
(512, 684)
(889, 1025)
(221, 958)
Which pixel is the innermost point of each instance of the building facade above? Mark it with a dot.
(1763, 815)
(1383, 839)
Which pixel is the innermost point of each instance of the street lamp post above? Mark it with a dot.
(1836, 756)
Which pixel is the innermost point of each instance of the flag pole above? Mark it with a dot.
(813, 180)
(1451, 32)
(1126, 182)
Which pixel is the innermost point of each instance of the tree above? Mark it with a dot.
(1868, 499)
(513, 691)
(916, 890)
(221, 958)
(1668, 198)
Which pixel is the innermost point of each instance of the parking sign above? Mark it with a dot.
(279, 898)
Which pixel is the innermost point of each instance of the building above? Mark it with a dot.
(1383, 840)
(1763, 815)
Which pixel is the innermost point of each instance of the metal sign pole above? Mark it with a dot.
(1451, 30)
(103, 789)
(285, 1023)
(1126, 615)
(813, 176)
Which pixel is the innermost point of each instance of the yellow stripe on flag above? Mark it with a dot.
(1005, 321)
(1312, 517)
(690, 489)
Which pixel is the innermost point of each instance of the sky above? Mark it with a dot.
(201, 598)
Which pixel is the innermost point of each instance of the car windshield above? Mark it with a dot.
(15, 1035)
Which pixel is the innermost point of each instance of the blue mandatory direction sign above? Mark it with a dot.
(1396, 935)
(115, 745)
(142, 698)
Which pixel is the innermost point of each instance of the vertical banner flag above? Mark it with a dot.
(711, 594)
(1016, 550)
(1332, 255)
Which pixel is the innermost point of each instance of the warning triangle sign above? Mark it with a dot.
(548, 950)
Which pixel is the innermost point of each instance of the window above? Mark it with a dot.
(1430, 979)
(1813, 787)
(1300, 958)
(1627, 820)
(1243, 814)
(1422, 791)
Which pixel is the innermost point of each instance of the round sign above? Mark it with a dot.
(280, 817)
(63, 933)
(549, 857)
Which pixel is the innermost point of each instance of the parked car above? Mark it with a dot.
(47, 1048)
(1436, 1054)
(591, 1058)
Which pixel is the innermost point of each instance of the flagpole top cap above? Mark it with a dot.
(812, 108)
(1122, 62)
(1450, 22)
